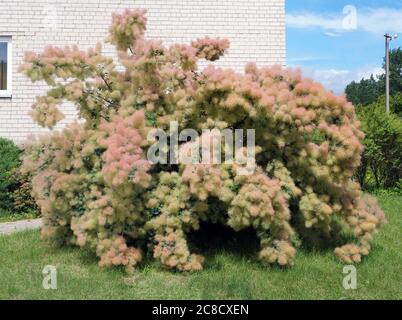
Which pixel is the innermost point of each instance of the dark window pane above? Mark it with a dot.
(3, 65)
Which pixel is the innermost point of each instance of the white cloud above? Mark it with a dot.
(313, 20)
(381, 20)
(332, 34)
(337, 80)
(373, 20)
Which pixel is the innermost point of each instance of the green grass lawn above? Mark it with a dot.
(229, 273)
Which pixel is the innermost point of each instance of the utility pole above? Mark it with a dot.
(388, 39)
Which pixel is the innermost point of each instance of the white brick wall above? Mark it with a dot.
(256, 29)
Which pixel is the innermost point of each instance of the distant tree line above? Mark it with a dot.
(368, 91)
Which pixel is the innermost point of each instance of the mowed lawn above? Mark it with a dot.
(231, 272)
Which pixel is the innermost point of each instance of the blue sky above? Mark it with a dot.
(335, 46)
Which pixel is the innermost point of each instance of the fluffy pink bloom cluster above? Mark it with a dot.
(115, 252)
(126, 28)
(45, 112)
(124, 158)
(96, 189)
(210, 49)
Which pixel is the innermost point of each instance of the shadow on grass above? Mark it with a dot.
(214, 238)
(211, 240)
(215, 241)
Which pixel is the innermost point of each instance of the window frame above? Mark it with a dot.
(8, 92)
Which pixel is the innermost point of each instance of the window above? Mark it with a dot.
(5, 67)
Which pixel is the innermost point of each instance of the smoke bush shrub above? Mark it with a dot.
(96, 188)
